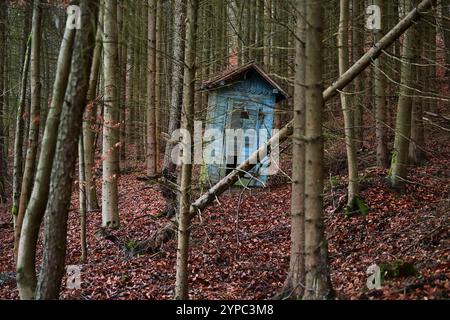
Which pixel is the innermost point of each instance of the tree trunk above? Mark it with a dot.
(380, 100)
(295, 281)
(110, 210)
(89, 125)
(158, 82)
(177, 82)
(445, 7)
(18, 137)
(26, 262)
(82, 196)
(3, 149)
(399, 163)
(151, 82)
(316, 265)
(33, 135)
(52, 267)
(353, 197)
(416, 144)
(184, 219)
(358, 51)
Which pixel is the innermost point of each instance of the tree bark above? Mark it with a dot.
(110, 209)
(380, 99)
(177, 82)
(3, 140)
(184, 219)
(445, 7)
(158, 81)
(82, 198)
(317, 271)
(353, 197)
(18, 136)
(56, 214)
(399, 162)
(89, 125)
(151, 83)
(295, 281)
(358, 51)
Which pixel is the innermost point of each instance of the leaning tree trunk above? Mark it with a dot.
(184, 219)
(110, 209)
(399, 162)
(33, 134)
(56, 213)
(26, 262)
(293, 287)
(316, 264)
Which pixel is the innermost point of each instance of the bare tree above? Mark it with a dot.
(110, 209)
(56, 213)
(184, 219)
(26, 261)
(317, 285)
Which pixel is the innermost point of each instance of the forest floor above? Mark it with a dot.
(240, 246)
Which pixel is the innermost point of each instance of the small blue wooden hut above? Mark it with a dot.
(241, 98)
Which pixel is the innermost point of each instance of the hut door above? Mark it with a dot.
(244, 116)
(235, 123)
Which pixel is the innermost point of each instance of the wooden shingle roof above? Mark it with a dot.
(231, 74)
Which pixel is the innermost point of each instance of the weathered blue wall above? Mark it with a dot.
(256, 96)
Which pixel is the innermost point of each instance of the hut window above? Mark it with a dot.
(244, 114)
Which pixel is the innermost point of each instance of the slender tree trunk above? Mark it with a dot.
(3, 149)
(82, 196)
(358, 51)
(353, 198)
(177, 81)
(158, 83)
(110, 210)
(18, 137)
(129, 92)
(416, 145)
(151, 107)
(316, 264)
(33, 135)
(295, 282)
(400, 154)
(380, 100)
(56, 213)
(184, 220)
(123, 26)
(445, 7)
(26, 262)
(89, 125)
(268, 38)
